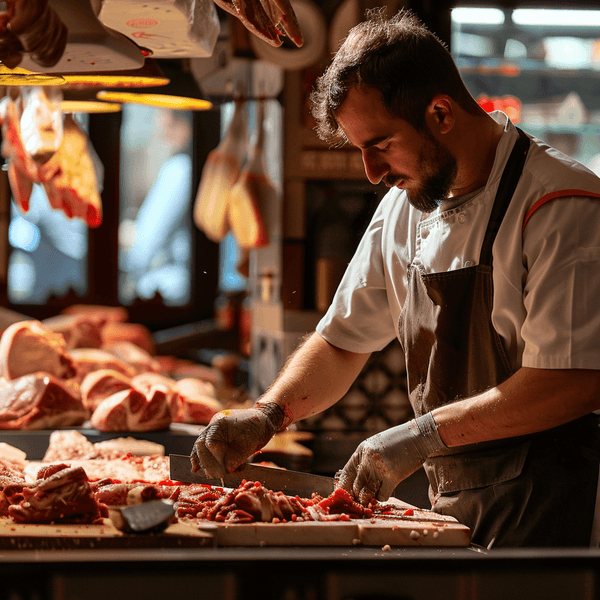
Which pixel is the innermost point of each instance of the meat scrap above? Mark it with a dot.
(64, 496)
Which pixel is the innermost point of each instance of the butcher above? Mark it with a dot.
(483, 260)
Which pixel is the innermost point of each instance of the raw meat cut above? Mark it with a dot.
(64, 496)
(130, 410)
(135, 333)
(220, 172)
(99, 385)
(132, 354)
(29, 346)
(73, 184)
(269, 20)
(79, 331)
(196, 402)
(33, 27)
(253, 194)
(40, 401)
(68, 174)
(86, 360)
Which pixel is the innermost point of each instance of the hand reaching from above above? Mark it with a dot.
(234, 435)
(382, 461)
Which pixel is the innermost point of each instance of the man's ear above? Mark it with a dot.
(439, 114)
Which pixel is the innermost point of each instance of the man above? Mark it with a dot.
(483, 260)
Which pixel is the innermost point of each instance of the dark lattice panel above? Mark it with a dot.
(378, 399)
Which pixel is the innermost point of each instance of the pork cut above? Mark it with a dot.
(130, 410)
(99, 385)
(196, 401)
(40, 401)
(67, 174)
(33, 27)
(79, 331)
(86, 360)
(28, 346)
(253, 194)
(133, 354)
(269, 20)
(220, 172)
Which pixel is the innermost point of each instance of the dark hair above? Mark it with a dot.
(401, 58)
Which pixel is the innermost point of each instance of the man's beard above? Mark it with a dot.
(439, 173)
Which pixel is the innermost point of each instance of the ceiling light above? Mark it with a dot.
(535, 17)
(89, 106)
(18, 76)
(159, 100)
(477, 16)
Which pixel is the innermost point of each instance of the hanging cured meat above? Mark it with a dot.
(270, 20)
(73, 185)
(38, 152)
(220, 172)
(253, 194)
(33, 27)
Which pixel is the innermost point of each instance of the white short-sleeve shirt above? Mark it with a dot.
(546, 277)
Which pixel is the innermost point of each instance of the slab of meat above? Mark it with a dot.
(196, 401)
(29, 346)
(63, 496)
(130, 410)
(270, 20)
(79, 331)
(73, 185)
(220, 172)
(40, 401)
(253, 194)
(101, 384)
(133, 354)
(34, 27)
(68, 174)
(86, 360)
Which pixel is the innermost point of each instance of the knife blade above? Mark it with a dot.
(291, 483)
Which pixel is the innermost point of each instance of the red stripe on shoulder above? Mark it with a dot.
(553, 196)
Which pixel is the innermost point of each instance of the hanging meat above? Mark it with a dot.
(253, 194)
(220, 172)
(32, 27)
(43, 149)
(270, 20)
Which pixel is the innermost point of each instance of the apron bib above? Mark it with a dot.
(537, 490)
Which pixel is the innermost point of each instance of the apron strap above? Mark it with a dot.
(506, 189)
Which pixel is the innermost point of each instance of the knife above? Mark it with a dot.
(291, 483)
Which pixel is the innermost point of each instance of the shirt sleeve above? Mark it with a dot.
(359, 317)
(561, 249)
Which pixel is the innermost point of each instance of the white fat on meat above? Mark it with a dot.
(101, 384)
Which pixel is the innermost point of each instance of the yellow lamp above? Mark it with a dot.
(159, 100)
(18, 76)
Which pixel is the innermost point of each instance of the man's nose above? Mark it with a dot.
(375, 168)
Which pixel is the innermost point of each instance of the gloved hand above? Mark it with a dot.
(382, 461)
(232, 436)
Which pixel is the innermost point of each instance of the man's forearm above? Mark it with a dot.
(530, 401)
(315, 377)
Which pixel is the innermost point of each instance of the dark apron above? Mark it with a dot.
(537, 490)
